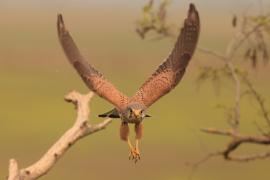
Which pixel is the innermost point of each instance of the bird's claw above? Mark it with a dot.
(134, 155)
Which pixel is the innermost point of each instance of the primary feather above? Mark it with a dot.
(93, 79)
(169, 74)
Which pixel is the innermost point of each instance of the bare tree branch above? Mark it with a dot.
(249, 37)
(201, 161)
(237, 140)
(80, 129)
(236, 119)
(212, 53)
(231, 67)
(258, 98)
(240, 137)
(243, 39)
(14, 173)
(247, 158)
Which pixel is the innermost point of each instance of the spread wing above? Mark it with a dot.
(168, 74)
(93, 79)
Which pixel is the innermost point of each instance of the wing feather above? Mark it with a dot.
(93, 79)
(169, 74)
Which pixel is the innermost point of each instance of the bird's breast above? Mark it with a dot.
(132, 120)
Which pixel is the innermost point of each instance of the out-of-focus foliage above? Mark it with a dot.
(257, 48)
(215, 75)
(255, 27)
(250, 42)
(154, 19)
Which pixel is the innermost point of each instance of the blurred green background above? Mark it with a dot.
(35, 75)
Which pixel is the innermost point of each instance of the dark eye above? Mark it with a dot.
(129, 112)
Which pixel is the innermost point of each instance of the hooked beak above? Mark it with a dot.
(137, 113)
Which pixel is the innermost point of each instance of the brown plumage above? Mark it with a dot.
(124, 131)
(169, 73)
(92, 78)
(162, 81)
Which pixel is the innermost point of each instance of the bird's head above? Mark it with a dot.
(135, 111)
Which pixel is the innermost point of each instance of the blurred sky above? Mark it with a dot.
(221, 5)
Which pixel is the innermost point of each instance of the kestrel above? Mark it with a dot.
(133, 110)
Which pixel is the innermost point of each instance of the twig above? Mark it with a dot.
(248, 158)
(80, 129)
(259, 99)
(201, 161)
(237, 140)
(236, 118)
(243, 39)
(213, 53)
(226, 153)
(231, 49)
(232, 70)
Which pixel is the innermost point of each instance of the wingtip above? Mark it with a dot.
(60, 23)
(59, 18)
(192, 12)
(192, 7)
(59, 14)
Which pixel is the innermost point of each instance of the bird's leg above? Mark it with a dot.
(132, 151)
(137, 146)
(138, 131)
(129, 144)
(124, 132)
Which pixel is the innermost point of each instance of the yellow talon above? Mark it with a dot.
(134, 155)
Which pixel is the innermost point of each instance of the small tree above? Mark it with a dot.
(247, 45)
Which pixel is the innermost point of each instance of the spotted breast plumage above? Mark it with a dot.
(162, 81)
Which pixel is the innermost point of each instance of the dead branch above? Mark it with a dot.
(237, 140)
(249, 31)
(80, 129)
(201, 161)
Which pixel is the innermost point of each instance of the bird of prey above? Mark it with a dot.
(132, 110)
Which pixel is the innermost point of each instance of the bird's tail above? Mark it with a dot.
(113, 114)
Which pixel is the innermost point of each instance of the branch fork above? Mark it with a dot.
(80, 129)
